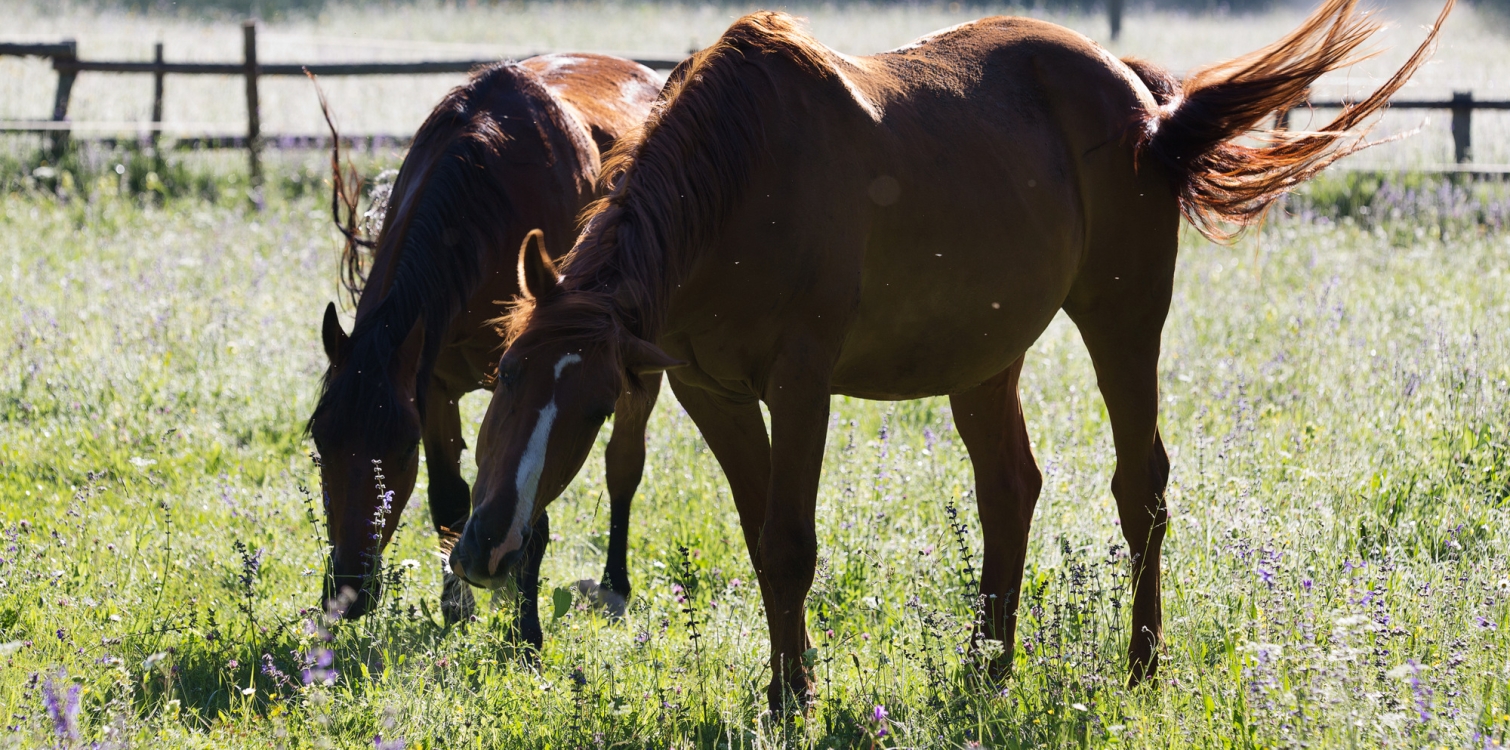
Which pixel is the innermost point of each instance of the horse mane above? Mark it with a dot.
(448, 210)
(671, 182)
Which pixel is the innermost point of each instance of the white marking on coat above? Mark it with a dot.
(526, 483)
(566, 359)
(527, 479)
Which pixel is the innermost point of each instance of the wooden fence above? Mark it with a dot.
(66, 62)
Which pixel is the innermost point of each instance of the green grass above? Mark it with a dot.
(1335, 398)
(1471, 55)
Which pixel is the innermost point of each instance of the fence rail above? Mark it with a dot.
(66, 62)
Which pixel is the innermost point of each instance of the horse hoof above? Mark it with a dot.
(603, 599)
(456, 601)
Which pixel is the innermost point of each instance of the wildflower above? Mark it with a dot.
(323, 672)
(879, 716)
(272, 671)
(1267, 576)
(1485, 623)
(378, 743)
(62, 708)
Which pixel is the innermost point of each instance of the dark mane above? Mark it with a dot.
(448, 210)
(672, 181)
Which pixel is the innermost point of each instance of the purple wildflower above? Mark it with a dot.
(378, 743)
(323, 670)
(63, 708)
(879, 714)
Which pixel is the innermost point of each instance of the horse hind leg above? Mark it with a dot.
(1007, 483)
(1123, 341)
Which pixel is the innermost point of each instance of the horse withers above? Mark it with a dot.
(512, 153)
(792, 223)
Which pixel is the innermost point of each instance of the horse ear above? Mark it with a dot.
(537, 274)
(332, 336)
(643, 358)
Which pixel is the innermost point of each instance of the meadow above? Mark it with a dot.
(1335, 398)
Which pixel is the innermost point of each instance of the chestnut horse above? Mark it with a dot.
(792, 223)
(513, 150)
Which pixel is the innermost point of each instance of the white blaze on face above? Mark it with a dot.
(527, 480)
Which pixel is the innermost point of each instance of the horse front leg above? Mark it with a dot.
(788, 558)
(625, 463)
(450, 497)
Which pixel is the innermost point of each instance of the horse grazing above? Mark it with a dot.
(512, 152)
(792, 223)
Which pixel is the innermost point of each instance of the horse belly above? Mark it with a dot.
(950, 301)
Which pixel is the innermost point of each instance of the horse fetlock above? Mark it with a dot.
(790, 690)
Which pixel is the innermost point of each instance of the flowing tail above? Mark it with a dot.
(1220, 182)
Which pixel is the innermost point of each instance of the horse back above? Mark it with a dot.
(610, 95)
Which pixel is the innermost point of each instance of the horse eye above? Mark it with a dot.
(508, 373)
(413, 449)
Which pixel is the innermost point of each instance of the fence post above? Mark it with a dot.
(1462, 126)
(66, 77)
(253, 124)
(157, 96)
(1114, 17)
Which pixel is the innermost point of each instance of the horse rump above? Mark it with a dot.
(1221, 182)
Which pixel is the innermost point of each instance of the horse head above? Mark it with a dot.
(367, 432)
(558, 382)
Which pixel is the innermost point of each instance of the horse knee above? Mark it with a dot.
(1030, 485)
(1158, 466)
(788, 558)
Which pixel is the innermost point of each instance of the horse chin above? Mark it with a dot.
(476, 574)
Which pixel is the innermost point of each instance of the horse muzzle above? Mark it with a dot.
(486, 563)
(349, 595)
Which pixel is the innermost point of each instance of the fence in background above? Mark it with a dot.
(66, 62)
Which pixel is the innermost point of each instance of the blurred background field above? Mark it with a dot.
(1336, 395)
(1471, 56)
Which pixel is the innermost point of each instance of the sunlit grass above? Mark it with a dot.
(1335, 400)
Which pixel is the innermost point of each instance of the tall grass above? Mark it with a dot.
(1335, 399)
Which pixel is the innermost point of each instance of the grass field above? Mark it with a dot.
(1335, 398)
(1471, 56)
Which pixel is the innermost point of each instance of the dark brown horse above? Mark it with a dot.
(792, 223)
(515, 149)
